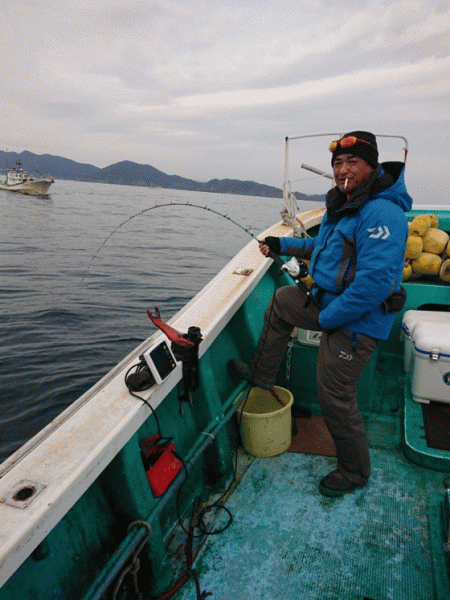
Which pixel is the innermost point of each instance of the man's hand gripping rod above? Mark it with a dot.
(295, 273)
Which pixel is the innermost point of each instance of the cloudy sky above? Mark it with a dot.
(210, 88)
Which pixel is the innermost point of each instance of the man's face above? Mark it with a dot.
(353, 169)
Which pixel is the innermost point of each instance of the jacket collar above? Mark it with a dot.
(336, 201)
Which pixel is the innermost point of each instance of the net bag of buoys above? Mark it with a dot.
(427, 249)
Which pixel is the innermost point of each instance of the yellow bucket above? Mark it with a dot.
(265, 424)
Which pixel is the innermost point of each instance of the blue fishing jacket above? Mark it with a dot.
(357, 259)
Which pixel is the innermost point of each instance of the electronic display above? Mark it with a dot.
(160, 360)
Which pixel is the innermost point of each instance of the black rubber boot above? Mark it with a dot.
(241, 370)
(335, 484)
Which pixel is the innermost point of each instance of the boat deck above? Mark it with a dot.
(381, 542)
(287, 541)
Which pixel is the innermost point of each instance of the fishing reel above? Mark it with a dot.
(296, 268)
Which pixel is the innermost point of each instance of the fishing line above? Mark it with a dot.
(211, 210)
(203, 528)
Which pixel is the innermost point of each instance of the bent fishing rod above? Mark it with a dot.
(162, 205)
(275, 257)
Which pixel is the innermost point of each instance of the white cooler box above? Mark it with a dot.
(427, 354)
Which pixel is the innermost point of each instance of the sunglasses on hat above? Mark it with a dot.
(347, 142)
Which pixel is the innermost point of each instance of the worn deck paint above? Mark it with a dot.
(289, 542)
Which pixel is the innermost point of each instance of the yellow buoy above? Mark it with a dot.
(435, 240)
(407, 271)
(427, 264)
(414, 246)
(444, 271)
(420, 225)
(434, 220)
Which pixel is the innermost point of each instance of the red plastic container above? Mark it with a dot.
(161, 464)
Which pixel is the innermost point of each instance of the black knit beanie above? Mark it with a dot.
(368, 152)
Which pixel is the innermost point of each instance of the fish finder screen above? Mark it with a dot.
(162, 359)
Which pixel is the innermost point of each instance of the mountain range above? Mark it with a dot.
(130, 173)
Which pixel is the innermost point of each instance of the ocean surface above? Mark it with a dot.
(79, 269)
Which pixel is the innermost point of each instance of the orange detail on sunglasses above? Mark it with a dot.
(347, 142)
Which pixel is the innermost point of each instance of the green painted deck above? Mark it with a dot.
(287, 541)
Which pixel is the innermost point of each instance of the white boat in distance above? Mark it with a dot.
(17, 180)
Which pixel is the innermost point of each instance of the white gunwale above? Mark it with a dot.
(67, 456)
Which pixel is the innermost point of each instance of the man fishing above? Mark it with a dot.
(356, 263)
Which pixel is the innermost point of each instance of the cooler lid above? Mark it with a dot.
(432, 338)
(411, 318)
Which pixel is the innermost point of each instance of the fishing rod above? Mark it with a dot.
(290, 270)
(193, 205)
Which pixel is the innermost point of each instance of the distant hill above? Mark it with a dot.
(46, 164)
(130, 173)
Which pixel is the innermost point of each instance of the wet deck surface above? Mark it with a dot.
(287, 541)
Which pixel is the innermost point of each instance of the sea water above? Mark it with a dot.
(78, 273)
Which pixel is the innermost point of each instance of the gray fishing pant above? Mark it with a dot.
(339, 367)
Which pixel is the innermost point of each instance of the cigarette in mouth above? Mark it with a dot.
(345, 184)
